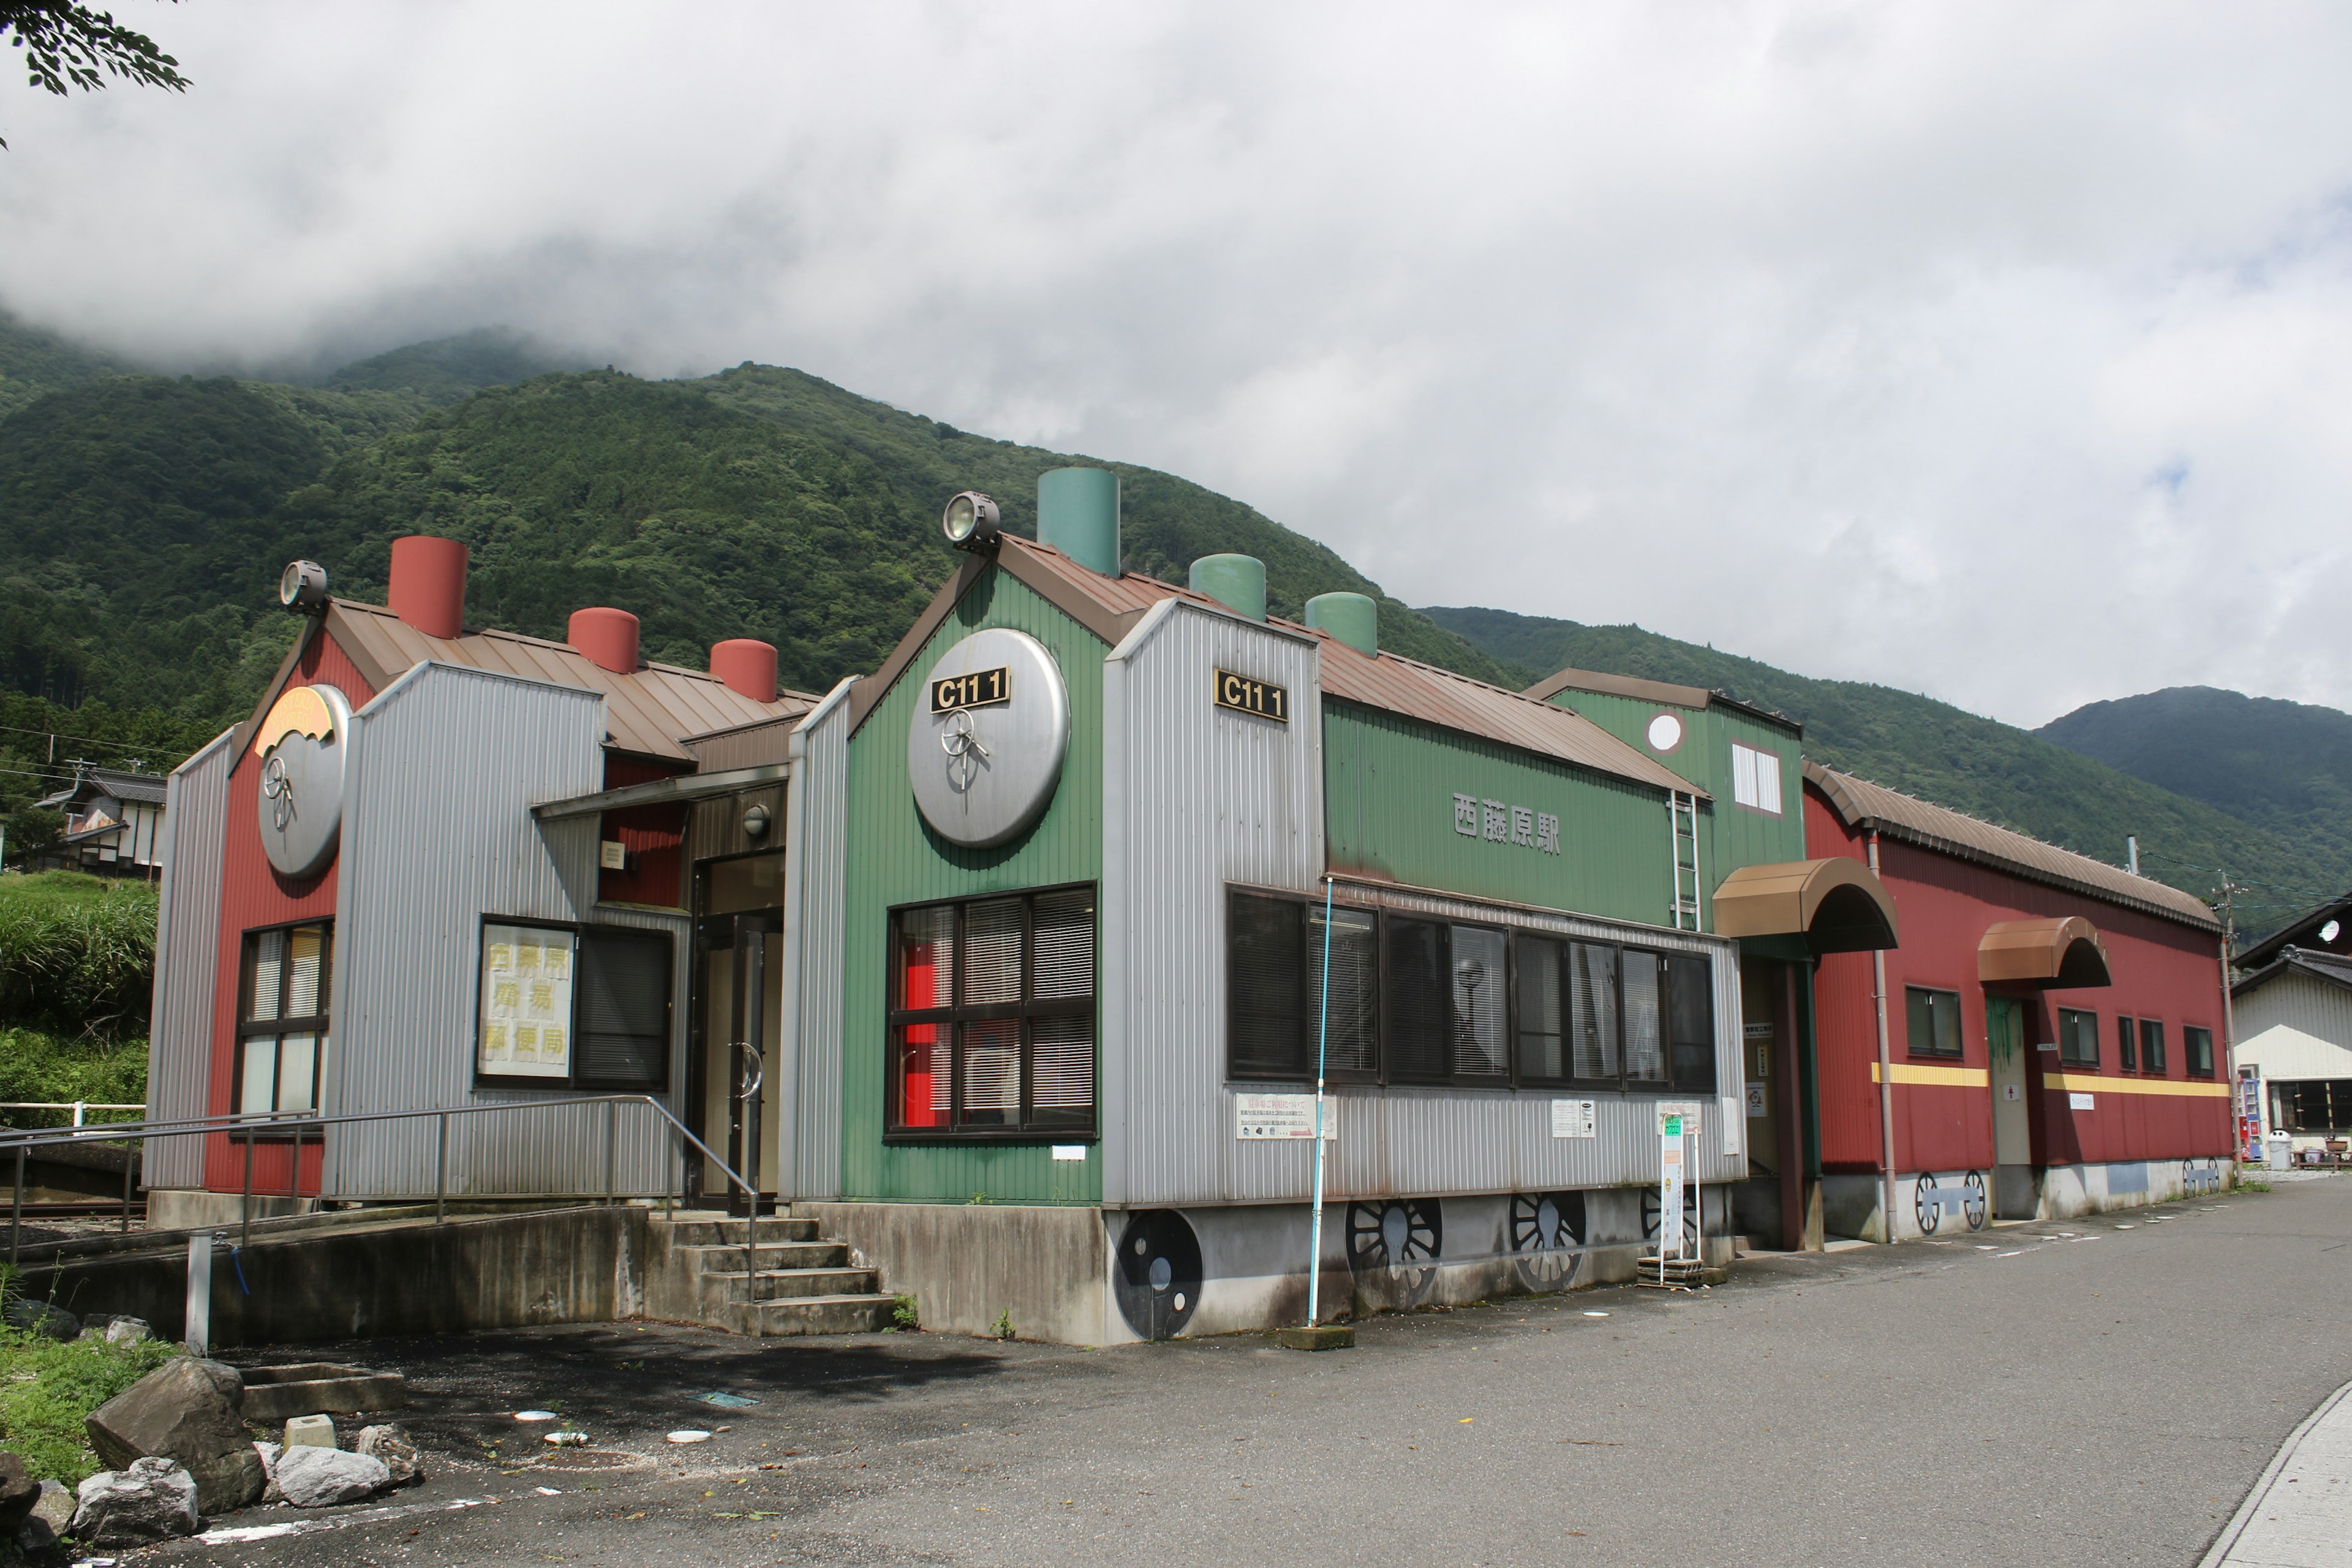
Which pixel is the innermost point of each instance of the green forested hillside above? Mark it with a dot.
(34, 363)
(144, 521)
(2284, 766)
(1935, 751)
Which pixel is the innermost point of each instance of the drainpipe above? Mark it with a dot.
(2230, 1047)
(1886, 1075)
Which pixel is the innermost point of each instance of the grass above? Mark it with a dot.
(76, 955)
(38, 1067)
(48, 1388)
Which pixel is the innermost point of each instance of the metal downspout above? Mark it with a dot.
(1885, 1076)
(2230, 1050)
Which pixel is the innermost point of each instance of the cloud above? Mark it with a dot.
(1994, 351)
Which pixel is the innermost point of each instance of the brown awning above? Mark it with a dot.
(1836, 904)
(2059, 954)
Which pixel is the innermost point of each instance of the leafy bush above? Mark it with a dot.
(76, 955)
(47, 1389)
(38, 1067)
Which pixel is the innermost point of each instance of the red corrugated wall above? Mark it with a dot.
(654, 835)
(1943, 904)
(253, 895)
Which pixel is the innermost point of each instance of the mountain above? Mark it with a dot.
(144, 521)
(34, 363)
(450, 370)
(1993, 771)
(2284, 766)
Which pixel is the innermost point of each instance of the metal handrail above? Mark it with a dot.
(23, 1139)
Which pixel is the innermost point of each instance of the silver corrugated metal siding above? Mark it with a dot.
(815, 877)
(1195, 796)
(187, 960)
(438, 833)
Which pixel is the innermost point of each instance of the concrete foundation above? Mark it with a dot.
(1948, 1203)
(969, 1266)
(175, 1208)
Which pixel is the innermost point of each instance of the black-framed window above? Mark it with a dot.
(2151, 1045)
(2316, 1106)
(2197, 1045)
(1933, 1018)
(993, 1016)
(285, 999)
(1415, 1000)
(573, 1007)
(2126, 1044)
(2078, 1037)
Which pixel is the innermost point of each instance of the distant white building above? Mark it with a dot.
(114, 822)
(2293, 1018)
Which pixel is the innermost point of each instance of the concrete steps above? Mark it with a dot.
(766, 1277)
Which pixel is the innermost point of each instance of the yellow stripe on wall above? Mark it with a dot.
(2095, 1084)
(1950, 1078)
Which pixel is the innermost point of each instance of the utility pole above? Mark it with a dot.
(2131, 853)
(2228, 1013)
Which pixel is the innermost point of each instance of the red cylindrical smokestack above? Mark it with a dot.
(428, 583)
(608, 636)
(747, 665)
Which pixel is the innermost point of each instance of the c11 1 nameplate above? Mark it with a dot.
(980, 688)
(1261, 698)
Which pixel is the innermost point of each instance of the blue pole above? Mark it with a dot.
(1322, 1043)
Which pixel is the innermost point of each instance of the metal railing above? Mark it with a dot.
(81, 1108)
(254, 1125)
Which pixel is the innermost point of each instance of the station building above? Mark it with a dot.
(2049, 1040)
(384, 893)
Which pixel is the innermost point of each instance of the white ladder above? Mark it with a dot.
(1681, 827)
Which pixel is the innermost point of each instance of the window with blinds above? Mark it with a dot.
(1421, 1001)
(282, 1019)
(1755, 779)
(623, 1002)
(993, 1016)
(2198, 1044)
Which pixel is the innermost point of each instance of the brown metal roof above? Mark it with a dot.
(2060, 952)
(1109, 607)
(1835, 904)
(647, 713)
(1641, 690)
(1874, 807)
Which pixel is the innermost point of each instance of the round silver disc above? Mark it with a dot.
(304, 749)
(984, 748)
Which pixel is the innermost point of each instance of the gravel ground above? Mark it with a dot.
(2098, 1392)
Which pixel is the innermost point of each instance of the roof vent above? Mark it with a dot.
(1077, 514)
(428, 583)
(608, 636)
(1236, 581)
(746, 666)
(1351, 619)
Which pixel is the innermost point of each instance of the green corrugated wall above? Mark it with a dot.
(1389, 788)
(893, 860)
(1730, 835)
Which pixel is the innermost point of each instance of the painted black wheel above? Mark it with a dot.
(1973, 1201)
(1548, 1239)
(1924, 1203)
(1157, 1275)
(1400, 1239)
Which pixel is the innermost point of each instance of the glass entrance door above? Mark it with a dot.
(739, 1033)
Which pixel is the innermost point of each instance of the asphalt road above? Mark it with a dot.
(2098, 1392)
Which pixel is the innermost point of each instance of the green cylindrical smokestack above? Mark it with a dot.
(1077, 514)
(1353, 618)
(1236, 581)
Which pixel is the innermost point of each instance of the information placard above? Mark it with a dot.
(1575, 1119)
(1282, 1116)
(525, 1030)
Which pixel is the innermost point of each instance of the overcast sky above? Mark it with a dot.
(2001, 352)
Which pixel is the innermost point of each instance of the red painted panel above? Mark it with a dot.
(654, 836)
(254, 896)
(1943, 904)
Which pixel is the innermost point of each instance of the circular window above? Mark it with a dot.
(1666, 732)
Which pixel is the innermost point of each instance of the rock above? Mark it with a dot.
(37, 1546)
(129, 1330)
(388, 1443)
(178, 1412)
(225, 1377)
(269, 1453)
(18, 1493)
(321, 1477)
(40, 1318)
(154, 1500)
(310, 1432)
(55, 1507)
